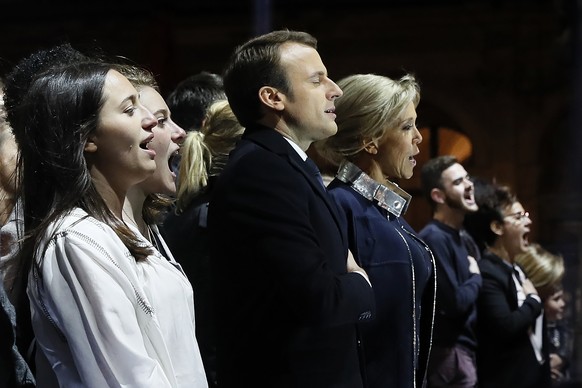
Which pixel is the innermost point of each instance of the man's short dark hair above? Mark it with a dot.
(431, 174)
(492, 199)
(255, 64)
(191, 98)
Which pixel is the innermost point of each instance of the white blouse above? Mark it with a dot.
(101, 319)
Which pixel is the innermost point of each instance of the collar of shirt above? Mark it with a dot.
(301, 153)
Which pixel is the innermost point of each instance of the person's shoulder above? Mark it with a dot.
(342, 191)
(79, 228)
(490, 264)
(345, 196)
(431, 231)
(78, 219)
(251, 158)
(77, 236)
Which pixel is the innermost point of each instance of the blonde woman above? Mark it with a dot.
(377, 140)
(203, 157)
(146, 203)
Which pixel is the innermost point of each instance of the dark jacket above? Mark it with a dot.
(286, 307)
(397, 343)
(187, 237)
(505, 356)
(14, 371)
(458, 289)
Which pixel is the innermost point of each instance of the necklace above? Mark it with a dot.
(390, 196)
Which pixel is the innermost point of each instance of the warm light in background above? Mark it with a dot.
(437, 141)
(448, 142)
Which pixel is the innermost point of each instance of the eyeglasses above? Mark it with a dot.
(518, 216)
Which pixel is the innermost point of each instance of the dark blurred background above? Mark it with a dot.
(501, 80)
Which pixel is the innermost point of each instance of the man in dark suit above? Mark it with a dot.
(288, 293)
(511, 350)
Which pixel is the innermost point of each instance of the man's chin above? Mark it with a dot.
(330, 131)
(472, 209)
(324, 134)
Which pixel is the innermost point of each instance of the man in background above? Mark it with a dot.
(191, 98)
(449, 190)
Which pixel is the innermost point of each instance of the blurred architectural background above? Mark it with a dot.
(501, 80)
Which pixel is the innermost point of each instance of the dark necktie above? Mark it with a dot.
(313, 170)
(517, 275)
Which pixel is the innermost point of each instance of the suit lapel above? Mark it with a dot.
(299, 165)
(507, 272)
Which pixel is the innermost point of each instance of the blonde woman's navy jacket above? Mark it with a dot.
(286, 307)
(400, 266)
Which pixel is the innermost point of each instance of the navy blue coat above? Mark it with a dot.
(286, 307)
(458, 289)
(397, 343)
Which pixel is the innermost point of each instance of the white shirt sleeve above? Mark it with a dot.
(91, 321)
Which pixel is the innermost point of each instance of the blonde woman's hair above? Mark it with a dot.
(205, 153)
(221, 131)
(370, 105)
(543, 268)
(193, 177)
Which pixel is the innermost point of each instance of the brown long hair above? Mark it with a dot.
(59, 112)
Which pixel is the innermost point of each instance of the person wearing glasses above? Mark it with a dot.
(511, 350)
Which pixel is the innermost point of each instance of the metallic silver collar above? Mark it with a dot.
(390, 197)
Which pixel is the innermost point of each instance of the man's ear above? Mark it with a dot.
(496, 227)
(90, 145)
(272, 98)
(437, 195)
